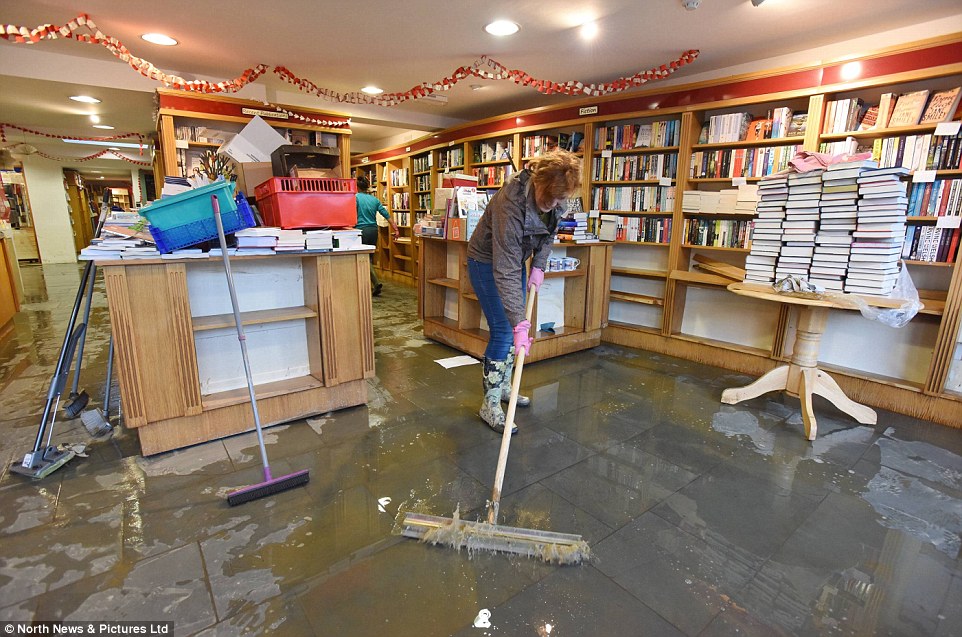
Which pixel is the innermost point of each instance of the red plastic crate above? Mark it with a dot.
(298, 202)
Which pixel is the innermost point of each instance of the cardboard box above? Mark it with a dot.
(251, 174)
(316, 173)
(254, 143)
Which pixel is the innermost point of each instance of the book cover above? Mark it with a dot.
(908, 109)
(798, 125)
(942, 106)
(870, 118)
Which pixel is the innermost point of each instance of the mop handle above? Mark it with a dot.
(240, 332)
(495, 505)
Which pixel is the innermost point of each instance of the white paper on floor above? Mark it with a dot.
(457, 361)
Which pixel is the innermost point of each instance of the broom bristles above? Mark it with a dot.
(551, 547)
(270, 487)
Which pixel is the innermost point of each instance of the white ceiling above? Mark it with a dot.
(396, 45)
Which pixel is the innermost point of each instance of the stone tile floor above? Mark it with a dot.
(705, 519)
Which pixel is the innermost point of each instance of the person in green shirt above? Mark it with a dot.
(368, 207)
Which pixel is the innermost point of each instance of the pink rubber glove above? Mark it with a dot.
(536, 279)
(521, 339)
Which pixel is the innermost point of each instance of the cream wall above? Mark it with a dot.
(51, 213)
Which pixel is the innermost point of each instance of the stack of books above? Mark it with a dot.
(348, 240)
(289, 241)
(837, 211)
(800, 224)
(691, 201)
(115, 248)
(772, 194)
(256, 240)
(879, 232)
(319, 240)
(746, 199)
(574, 227)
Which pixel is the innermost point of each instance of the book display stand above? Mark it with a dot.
(802, 378)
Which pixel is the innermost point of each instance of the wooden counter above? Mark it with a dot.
(309, 330)
(11, 290)
(575, 301)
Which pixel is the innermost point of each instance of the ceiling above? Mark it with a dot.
(343, 46)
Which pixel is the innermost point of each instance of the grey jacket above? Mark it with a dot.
(509, 232)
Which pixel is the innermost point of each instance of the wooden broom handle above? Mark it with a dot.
(509, 419)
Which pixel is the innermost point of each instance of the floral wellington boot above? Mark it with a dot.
(523, 401)
(492, 381)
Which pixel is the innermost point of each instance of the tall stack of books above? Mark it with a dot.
(879, 232)
(837, 212)
(800, 224)
(772, 196)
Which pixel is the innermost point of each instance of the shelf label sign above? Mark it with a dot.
(593, 214)
(262, 113)
(606, 153)
(948, 222)
(364, 160)
(923, 176)
(739, 181)
(664, 181)
(588, 110)
(947, 129)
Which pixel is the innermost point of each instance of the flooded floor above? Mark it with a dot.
(704, 519)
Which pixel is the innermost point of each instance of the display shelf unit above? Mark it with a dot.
(309, 333)
(632, 166)
(192, 124)
(572, 300)
(919, 372)
(403, 249)
(79, 203)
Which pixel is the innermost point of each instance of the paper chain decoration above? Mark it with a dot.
(94, 156)
(110, 138)
(484, 67)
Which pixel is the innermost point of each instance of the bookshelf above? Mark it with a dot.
(400, 205)
(670, 296)
(574, 301)
(632, 167)
(189, 125)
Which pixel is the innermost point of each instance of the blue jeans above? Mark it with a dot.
(499, 327)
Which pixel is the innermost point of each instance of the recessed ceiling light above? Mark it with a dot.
(95, 119)
(86, 99)
(502, 27)
(476, 87)
(372, 90)
(589, 30)
(103, 126)
(159, 38)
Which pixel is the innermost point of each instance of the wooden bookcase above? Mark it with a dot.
(309, 332)
(660, 299)
(212, 119)
(632, 166)
(574, 301)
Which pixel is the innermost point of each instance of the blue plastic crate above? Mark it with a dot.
(192, 205)
(201, 230)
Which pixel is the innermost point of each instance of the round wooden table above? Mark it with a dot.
(801, 377)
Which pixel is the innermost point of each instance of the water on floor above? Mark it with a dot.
(703, 518)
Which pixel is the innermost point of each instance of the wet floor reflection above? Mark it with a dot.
(704, 519)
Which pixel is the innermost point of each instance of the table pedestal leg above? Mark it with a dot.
(802, 378)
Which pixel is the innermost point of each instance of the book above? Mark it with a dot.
(869, 119)
(908, 109)
(885, 105)
(942, 106)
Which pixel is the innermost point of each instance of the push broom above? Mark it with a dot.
(270, 485)
(561, 548)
